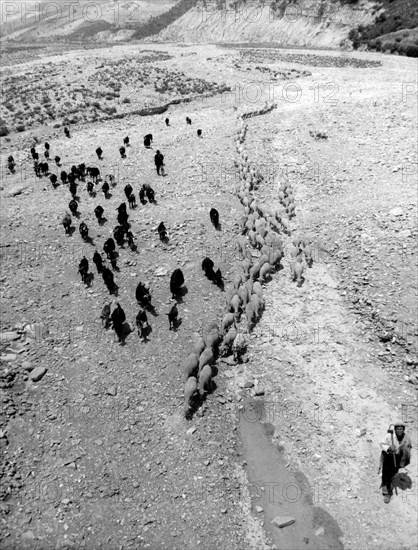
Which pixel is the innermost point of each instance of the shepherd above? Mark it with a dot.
(159, 162)
(396, 454)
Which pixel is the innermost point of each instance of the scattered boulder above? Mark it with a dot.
(282, 521)
(37, 374)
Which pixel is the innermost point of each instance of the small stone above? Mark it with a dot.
(112, 390)
(206, 462)
(259, 390)
(259, 509)
(191, 431)
(17, 189)
(8, 357)
(27, 365)
(282, 521)
(397, 211)
(248, 384)
(319, 531)
(99, 442)
(37, 374)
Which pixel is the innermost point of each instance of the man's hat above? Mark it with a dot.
(399, 424)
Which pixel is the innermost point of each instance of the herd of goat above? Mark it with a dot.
(244, 298)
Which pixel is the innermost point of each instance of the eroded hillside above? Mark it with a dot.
(320, 24)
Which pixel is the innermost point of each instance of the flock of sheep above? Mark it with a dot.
(244, 298)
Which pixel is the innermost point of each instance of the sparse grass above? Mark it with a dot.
(48, 94)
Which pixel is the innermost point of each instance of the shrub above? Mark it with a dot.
(96, 104)
(126, 100)
(20, 128)
(3, 131)
(389, 46)
(411, 50)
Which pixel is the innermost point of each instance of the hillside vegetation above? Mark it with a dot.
(390, 26)
(394, 30)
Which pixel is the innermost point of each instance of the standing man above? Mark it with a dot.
(159, 162)
(396, 453)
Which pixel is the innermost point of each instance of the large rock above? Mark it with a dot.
(283, 521)
(37, 373)
(17, 189)
(8, 336)
(397, 211)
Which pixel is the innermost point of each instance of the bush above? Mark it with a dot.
(411, 50)
(389, 46)
(20, 128)
(3, 131)
(96, 104)
(126, 100)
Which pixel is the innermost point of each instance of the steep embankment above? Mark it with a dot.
(101, 20)
(321, 24)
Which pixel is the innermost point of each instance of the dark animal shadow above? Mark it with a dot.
(151, 309)
(89, 279)
(403, 481)
(134, 248)
(76, 215)
(76, 197)
(71, 230)
(219, 284)
(146, 332)
(177, 324)
(165, 240)
(93, 194)
(182, 291)
(108, 196)
(198, 400)
(126, 330)
(89, 240)
(218, 227)
(102, 221)
(114, 290)
(302, 281)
